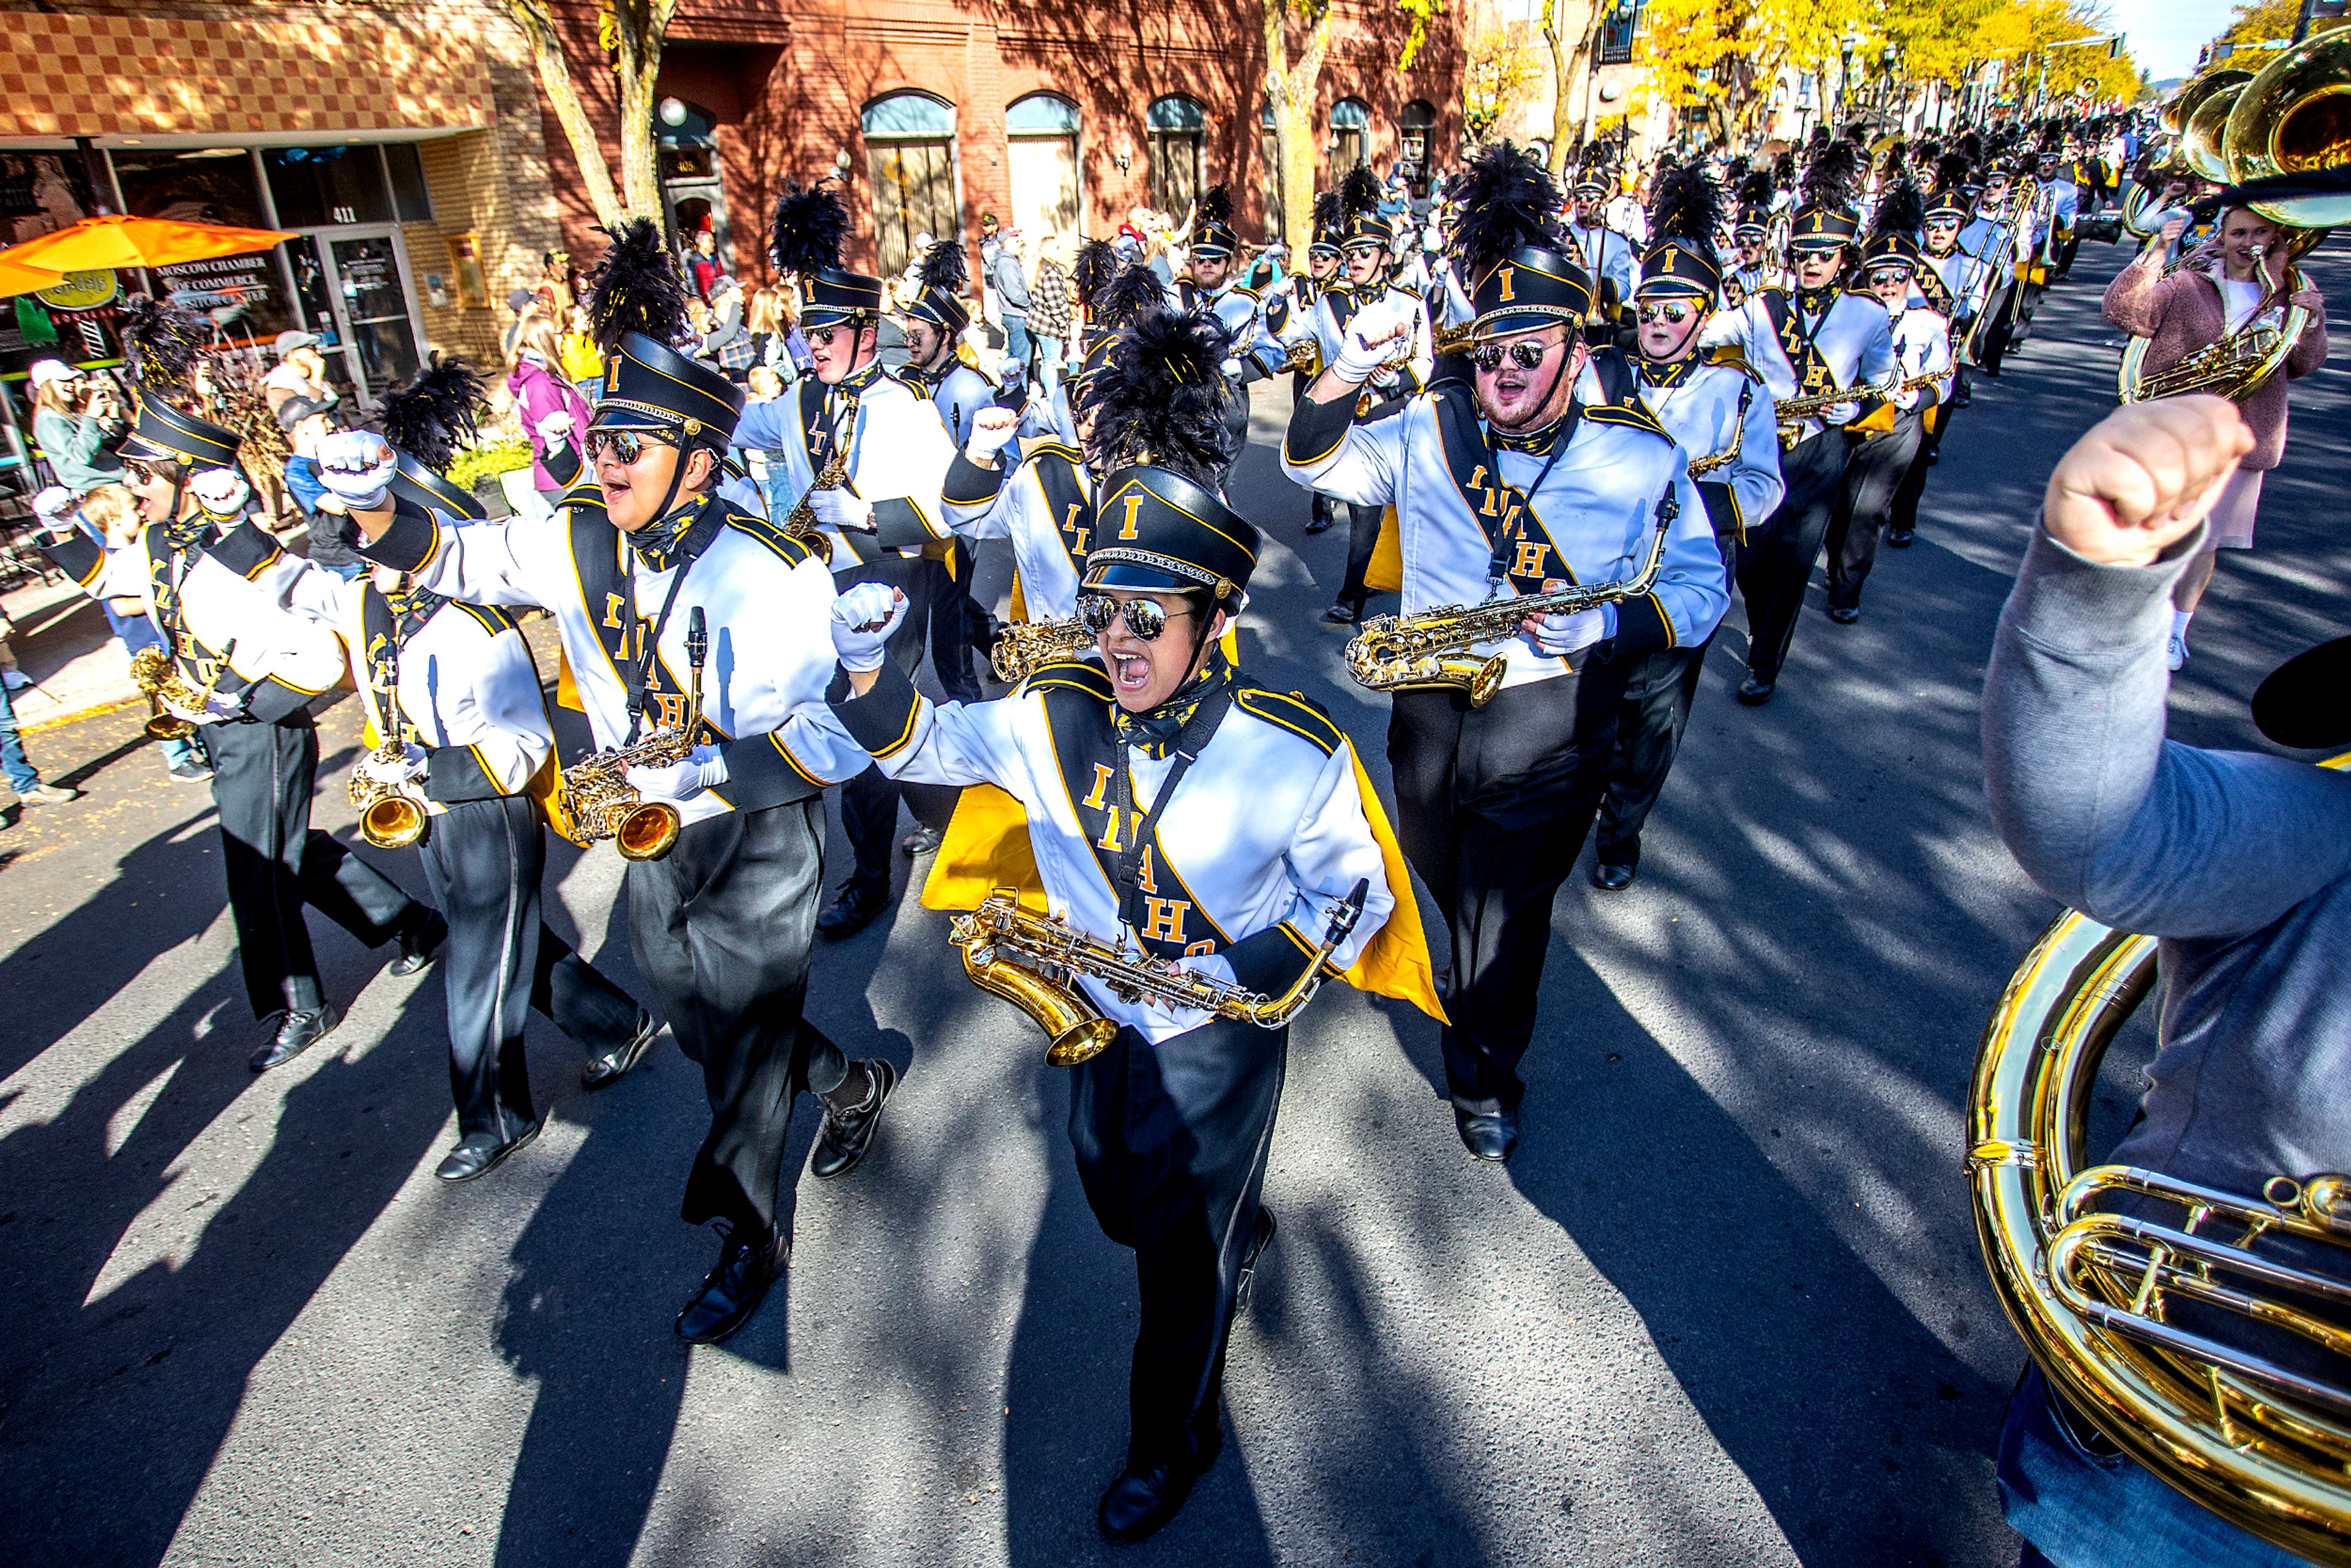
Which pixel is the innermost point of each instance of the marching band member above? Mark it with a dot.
(1805, 341)
(1211, 284)
(1961, 274)
(453, 701)
(1553, 444)
(720, 925)
(1296, 319)
(883, 515)
(1892, 428)
(1173, 809)
(1756, 270)
(938, 364)
(209, 578)
(1610, 258)
(2002, 245)
(1719, 414)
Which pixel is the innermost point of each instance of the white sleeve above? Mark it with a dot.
(480, 563)
(500, 712)
(1332, 850)
(1365, 465)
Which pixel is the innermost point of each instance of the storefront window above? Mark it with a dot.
(315, 186)
(206, 185)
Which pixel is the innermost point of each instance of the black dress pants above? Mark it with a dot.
(1872, 478)
(1492, 806)
(721, 927)
(482, 859)
(1998, 326)
(1171, 1143)
(1904, 518)
(950, 607)
(1363, 538)
(1650, 718)
(869, 802)
(277, 863)
(1775, 561)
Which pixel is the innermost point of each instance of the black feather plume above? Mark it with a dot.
(809, 224)
(1857, 133)
(1215, 206)
(1757, 190)
(943, 268)
(1127, 297)
(1359, 190)
(1162, 399)
(1951, 171)
(635, 287)
(1097, 262)
(1329, 213)
(1507, 203)
(1899, 211)
(436, 414)
(164, 340)
(1734, 174)
(1816, 140)
(1687, 205)
(1783, 171)
(1833, 175)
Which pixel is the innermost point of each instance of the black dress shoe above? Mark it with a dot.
(1488, 1134)
(845, 1136)
(733, 1291)
(921, 842)
(479, 1154)
(1140, 1502)
(1963, 398)
(1245, 1286)
(1343, 613)
(1318, 525)
(1755, 691)
(613, 1065)
(1844, 614)
(296, 1032)
(1899, 538)
(420, 943)
(1612, 878)
(851, 912)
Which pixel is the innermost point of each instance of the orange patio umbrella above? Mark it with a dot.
(112, 240)
(18, 278)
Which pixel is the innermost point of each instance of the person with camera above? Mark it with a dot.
(77, 423)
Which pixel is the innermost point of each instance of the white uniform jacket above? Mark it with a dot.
(1264, 833)
(766, 597)
(1242, 313)
(1589, 520)
(1961, 276)
(1046, 508)
(1922, 345)
(1608, 256)
(1851, 335)
(462, 679)
(202, 601)
(898, 453)
(1705, 406)
(1754, 280)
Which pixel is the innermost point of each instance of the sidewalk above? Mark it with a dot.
(62, 643)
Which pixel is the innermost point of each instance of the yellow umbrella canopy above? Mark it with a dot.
(17, 277)
(113, 240)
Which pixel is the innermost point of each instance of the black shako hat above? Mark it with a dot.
(164, 434)
(1507, 243)
(809, 224)
(940, 300)
(1685, 214)
(2306, 701)
(1361, 221)
(1328, 218)
(1159, 532)
(636, 304)
(1212, 234)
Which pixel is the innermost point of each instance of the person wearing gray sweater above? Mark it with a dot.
(2238, 861)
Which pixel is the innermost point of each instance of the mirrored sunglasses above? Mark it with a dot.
(1146, 618)
(1526, 354)
(625, 445)
(1672, 315)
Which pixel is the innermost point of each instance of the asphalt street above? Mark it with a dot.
(1725, 1307)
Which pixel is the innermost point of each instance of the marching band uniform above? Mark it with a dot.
(1494, 802)
(1610, 258)
(1709, 408)
(1252, 353)
(1045, 510)
(212, 581)
(1296, 319)
(2003, 248)
(1802, 343)
(897, 453)
(456, 684)
(958, 391)
(1249, 824)
(1961, 276)
(1892, 432)
(721, 924)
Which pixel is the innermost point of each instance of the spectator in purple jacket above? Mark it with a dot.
(534, 375)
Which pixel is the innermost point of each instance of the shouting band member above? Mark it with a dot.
(1548, 469)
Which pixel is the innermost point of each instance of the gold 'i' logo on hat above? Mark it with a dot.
(1133, 508)
(1507, 273)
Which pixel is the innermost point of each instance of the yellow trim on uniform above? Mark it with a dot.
(1385, 574)
(776, 739)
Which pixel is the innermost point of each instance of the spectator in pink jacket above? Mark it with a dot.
(2237, 276)
(535, 378)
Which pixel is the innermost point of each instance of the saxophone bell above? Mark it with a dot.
(392, 822)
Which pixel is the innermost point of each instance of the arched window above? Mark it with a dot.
(910, 160)
(1042, 132)
(693, 193)
(1351, 124)
(1415, 127)
(1178, 128)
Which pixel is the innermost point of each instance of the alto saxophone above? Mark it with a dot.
(1024, 645)
(392, 816)
(800, 523)
(1433, 650)
(597, 794)
(1793, 411)
(1728, 455)
(1033, 961)
(170, 698)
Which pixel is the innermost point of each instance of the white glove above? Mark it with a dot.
(1215, 966)
(1284, 287)
(223, 491)
(1231, 367)
(55, 508)
(219, 707)
(1841, 413)
(555, 430)
(703, 768)
(991, 431)
(1369, 339)
(411, 763)
(1558, 636)
(838, 508)
(356, 468)
(862, 620)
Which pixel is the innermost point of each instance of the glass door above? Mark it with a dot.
(371, 290)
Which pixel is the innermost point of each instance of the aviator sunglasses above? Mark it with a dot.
(1526, 354)
(1144, 617)
(625, 445)
(1671, 315)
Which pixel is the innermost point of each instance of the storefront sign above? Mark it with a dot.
(81, 292)
(238, 293)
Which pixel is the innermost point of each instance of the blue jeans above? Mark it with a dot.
(2081, 1509)
(1048, 362)
(1015, 337)
(13, 760)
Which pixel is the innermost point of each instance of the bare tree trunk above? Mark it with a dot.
(1567, 65)
(555, 81)
(638, 29)
(1291, 90)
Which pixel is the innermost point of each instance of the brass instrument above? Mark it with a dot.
(1023, 645)
(1794, 411)
(598, 796)
(2023, 192)
(2261, 1445)
(1727, 456)
(2232, 367)
(1306, 354)
(392, 816)
(1033, 961)
(1432, 650)
(1455, 339)
(800, 523)
(170, 697)
(2290, 119)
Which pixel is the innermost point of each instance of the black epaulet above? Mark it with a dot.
(1293, 711)
(489, 617)
(1073, 676)
(788, 549)
(1057, 449)
(1625, 404)
(1729, 354)
(245, 549)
